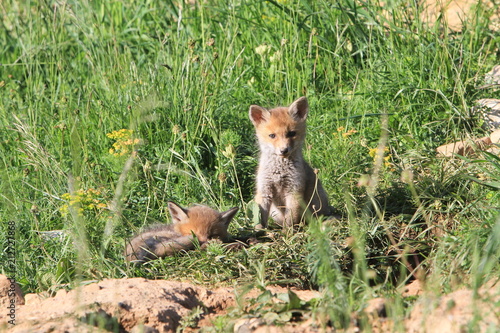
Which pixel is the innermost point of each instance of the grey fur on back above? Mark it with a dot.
(157, 242)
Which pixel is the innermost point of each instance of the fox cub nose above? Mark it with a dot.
(284, 150)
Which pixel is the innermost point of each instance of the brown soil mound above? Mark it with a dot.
(457, 13)
(140, 305)
(126, 305)
(460, 311)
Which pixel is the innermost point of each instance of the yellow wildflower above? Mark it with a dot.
(349, 133)
(124, 142)
(387, 159)
(83, 200)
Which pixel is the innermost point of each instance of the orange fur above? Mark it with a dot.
(200, 221)
(166, 240)
(286, 184)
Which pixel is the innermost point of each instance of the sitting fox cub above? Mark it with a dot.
(286, 184)
(165, 240)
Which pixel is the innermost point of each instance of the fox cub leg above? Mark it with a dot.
(286, 213)
(294, 210)
(264, 202)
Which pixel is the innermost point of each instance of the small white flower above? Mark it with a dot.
(262, 49)
(275, 57)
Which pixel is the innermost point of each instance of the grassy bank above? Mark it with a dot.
(110, 109)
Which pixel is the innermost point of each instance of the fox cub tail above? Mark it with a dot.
(200, 222)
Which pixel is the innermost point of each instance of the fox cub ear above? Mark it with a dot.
(178, 213)
(228, 215)
(299, 109)
(258, 114)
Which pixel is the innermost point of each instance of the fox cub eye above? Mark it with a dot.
(291, 134)
(272, 136)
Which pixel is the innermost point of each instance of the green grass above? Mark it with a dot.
(182, 78)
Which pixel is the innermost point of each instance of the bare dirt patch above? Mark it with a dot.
(457, 13)
(120, 304)
(126, 305)
(461, 311)
(141, 305)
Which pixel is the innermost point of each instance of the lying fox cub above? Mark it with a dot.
(165, 240)
(286, 184)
